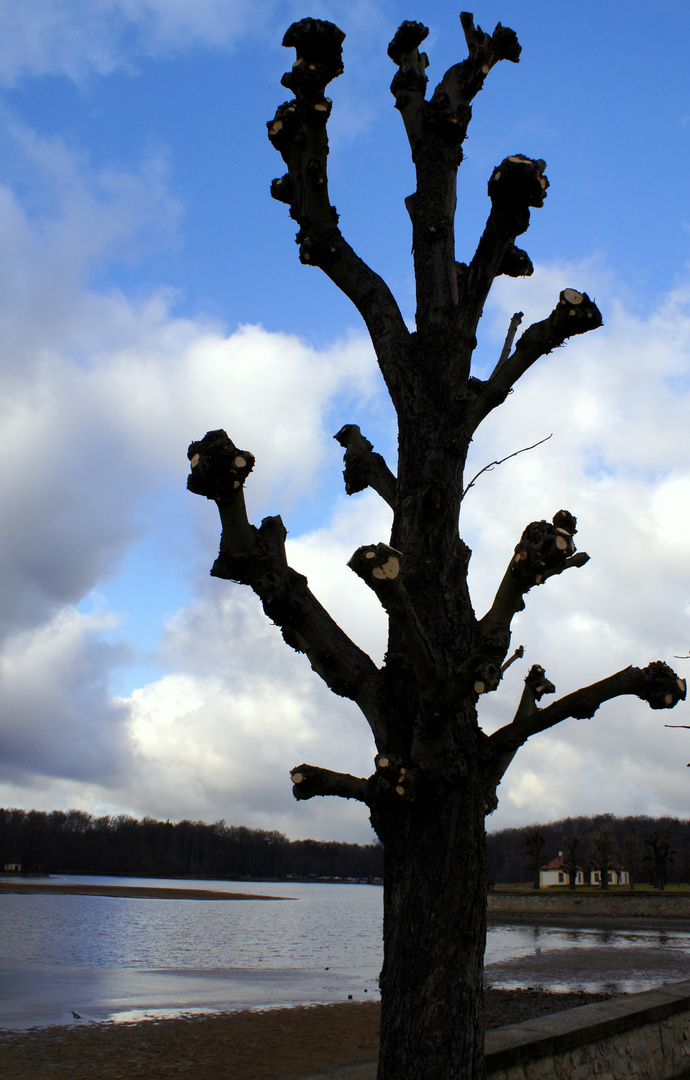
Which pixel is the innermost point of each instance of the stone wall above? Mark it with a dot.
(646, 1036)
(629, 905)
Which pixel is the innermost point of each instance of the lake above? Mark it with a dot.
(124, 959)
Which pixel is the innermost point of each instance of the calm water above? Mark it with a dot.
(121, 958)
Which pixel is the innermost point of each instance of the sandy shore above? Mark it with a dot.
(272, 1045)
(144, 892)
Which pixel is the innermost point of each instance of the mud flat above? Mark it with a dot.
(279, 1043)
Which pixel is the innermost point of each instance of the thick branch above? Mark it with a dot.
(544, 550)
(379, 567)
(516, 185)
(657, 684)
(298, 132)
(309, 781)
(574, 314)
(363, 467)
(436, 131)
(256, 557)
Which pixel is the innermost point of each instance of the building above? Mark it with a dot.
(555, 873)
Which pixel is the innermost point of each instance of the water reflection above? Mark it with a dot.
(114, 956)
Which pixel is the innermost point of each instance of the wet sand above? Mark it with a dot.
(272, 1045)
(145, 892)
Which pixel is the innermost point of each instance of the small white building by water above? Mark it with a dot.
(555, 873)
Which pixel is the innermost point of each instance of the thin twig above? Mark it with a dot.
(490, 467)
(508, 343)
(517, 655)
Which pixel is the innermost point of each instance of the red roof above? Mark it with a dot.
(556, 864)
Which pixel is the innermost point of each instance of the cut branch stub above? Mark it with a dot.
(537, 684)
(218, 467)
(318, 45)
(487, 676)
(515, 263)
(501, 45)
(408, 37)
(542, 549)
(662, 688)
(363, 467)
(379, 567)
(517, 184)
(310, 780)
(574, 314)
(376, 564)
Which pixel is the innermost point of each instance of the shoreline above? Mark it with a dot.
(270, 1044)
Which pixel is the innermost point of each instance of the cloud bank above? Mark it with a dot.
(100, 393)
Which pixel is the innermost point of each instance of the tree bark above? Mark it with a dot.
(432, 1025)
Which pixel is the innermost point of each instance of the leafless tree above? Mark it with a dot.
(570, 859)
(535, 842)
(436, 772)
(658, 856)
(602, 854)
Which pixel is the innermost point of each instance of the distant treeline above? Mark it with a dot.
(74, 842)
(652, 850)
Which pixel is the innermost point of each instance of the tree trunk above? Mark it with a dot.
(432, 1025)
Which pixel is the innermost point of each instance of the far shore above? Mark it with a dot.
(135, 892)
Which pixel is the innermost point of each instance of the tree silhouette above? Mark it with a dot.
(436, 772)
(570, 858)
(603, 850)
(535, 842)
(659, 856)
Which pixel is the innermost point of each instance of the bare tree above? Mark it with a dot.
(631, 857)
(570, 857)
(603, 851)
(535, 842)
(658, 856)
(436, 772)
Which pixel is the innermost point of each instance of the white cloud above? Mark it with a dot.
(77, 37)
(617, 401)
(100, 396)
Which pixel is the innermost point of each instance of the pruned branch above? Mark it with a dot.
(543, 551)
(256, 557)
(298, 132)
(574, 314)
(657, 684)
(517, 185)
(517, 655)
(510, 338)
(492, 465)
(379, 567)
(363, 467)
(309, 781)
(436, 130)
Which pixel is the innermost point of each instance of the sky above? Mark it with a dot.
(150, 291)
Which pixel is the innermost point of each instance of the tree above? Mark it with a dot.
(631, 857)
(535, 842)
(658, 855)
(602, 854)
(436, 772)
(570, 864)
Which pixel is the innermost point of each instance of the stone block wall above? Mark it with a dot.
(646, 1036)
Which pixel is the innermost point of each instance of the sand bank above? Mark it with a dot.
(144, 892)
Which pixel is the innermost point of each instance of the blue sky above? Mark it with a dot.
(151, 290)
